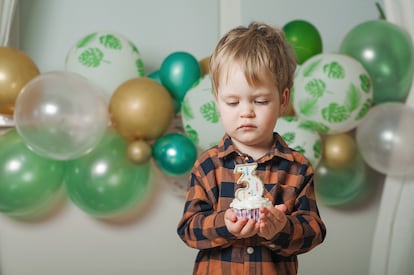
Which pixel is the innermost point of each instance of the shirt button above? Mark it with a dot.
(250, 250)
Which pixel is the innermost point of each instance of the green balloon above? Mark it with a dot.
(104, 182)
(174, 154)
(178, 72)
(386, 51)
(341, 187)
(28, 181)
(304, 38)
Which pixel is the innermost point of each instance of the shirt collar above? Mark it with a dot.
(279, 148)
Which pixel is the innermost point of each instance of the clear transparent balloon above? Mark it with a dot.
(385, 138)
(61, 115)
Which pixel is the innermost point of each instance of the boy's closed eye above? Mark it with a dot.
(261, 101)
(232, 101)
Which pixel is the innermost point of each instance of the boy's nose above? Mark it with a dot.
(248, 112)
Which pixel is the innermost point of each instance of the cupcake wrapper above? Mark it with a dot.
(249, 213)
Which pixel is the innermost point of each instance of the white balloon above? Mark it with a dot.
(200, 117)
(300, 138)
(332, 93)
(385, 137)
(106, 58)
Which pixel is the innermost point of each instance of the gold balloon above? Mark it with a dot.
(339, 150)
(141, 108)
(16, 70)
(205, 65)
(139, 151)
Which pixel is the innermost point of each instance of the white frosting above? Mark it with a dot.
(250, 203)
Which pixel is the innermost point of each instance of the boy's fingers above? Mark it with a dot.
(281, 207)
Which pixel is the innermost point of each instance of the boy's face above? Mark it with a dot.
(249, 114)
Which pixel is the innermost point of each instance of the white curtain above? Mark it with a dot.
(393, 243)
(7, 12)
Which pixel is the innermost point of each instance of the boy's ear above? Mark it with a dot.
(284, 101)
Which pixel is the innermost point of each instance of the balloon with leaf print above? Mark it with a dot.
(199, 114)
(332, 93)
(106, 58)
(299, 137)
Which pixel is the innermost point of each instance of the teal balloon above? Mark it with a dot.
(178, 72)
(104, 182)
(386, 51)
(156, 76)
(341, 187)
(28, 182)
(174, 154)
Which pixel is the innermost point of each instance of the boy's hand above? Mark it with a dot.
(241, 228)
(273, 219)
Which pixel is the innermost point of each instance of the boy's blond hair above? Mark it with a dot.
(262, 52)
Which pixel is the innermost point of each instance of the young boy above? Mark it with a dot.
(252, 72)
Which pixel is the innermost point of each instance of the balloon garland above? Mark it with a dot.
(97, 135)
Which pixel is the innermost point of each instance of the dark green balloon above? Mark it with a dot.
(174, 154)
(178, 72)
(104, 182)
(341, 187)
(386, 52)
(304, 38)
(28, 181)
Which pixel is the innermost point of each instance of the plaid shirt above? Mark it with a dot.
(287, 178)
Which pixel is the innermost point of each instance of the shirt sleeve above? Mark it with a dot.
(201, 226)
(304, 229)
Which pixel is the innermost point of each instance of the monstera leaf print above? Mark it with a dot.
(334, 70)
(209, 112)
(335, 113)
(92, 57)
(85, 41)
(300, 149)
(315, 126)
(317, 149)
(316, 88)
(308, 107)
(186, 110)
(309, 70)
(192, 134)
(352, 99)
(110, 41)
(140, 66)
(364, 109)
(289, 137)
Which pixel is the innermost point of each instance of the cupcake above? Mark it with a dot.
(249, 199)
(249, 207)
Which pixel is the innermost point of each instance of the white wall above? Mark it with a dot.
(70, 242)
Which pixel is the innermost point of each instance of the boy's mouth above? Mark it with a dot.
(247, 126)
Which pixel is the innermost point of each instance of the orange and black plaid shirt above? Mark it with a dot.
(288, 178)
